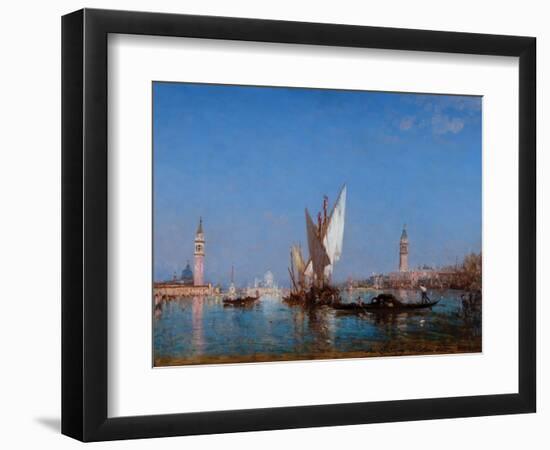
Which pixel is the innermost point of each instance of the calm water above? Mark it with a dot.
(202, 330)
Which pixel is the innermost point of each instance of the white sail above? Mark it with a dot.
(309, 269)
(308, 273)
(297, 259)
(317, 251)
(334, 236)
(298, 263)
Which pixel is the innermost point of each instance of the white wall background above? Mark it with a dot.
(30, 227)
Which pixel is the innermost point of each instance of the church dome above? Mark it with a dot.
(187, 275)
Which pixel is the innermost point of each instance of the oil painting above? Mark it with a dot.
(303, 224)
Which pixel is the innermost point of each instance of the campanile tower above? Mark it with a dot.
(198, 273)
(404, 251)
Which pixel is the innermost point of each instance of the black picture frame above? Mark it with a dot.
(84, 224)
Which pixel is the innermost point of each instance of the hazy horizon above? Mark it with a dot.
(249, 160)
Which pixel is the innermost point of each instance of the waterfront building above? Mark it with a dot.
(198, 274)
(411, 278)
(191, 282)
(404, 251)
(431, 278)
(170, 289)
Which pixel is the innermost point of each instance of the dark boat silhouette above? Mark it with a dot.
(240, 301)
(327, 295)
(233, 300)
(383, 303)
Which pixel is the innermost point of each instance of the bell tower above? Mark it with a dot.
(198, 273)
(404, 251)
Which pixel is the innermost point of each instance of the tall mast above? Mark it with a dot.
(291, 262)
(317, 251)
(325, 208)
(293, 282)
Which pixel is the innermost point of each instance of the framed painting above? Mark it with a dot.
(319, 224)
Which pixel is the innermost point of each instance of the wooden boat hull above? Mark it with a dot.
(372, 308)
(295, 299)
(241, 301)
(327, 295)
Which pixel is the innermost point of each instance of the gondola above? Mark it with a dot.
(240, 301)
(383, 303)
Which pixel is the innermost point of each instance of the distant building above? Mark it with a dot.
(411, 278)
(265, 287)
(198, 277)
(268, 279)
(404, 251)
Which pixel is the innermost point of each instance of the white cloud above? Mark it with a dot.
(406, 123)
(442, 124)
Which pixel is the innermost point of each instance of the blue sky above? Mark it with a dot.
(250, 159)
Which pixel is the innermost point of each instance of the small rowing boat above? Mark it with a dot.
(240, 301)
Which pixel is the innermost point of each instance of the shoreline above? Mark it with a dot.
(380, 350)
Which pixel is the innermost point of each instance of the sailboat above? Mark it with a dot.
(311, 281)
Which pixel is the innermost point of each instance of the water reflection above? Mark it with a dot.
(320, 327)
(198, 339)
(200, 329)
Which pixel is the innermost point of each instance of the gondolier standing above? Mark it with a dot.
(424, 291)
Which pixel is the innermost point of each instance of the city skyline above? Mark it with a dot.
(249, 160)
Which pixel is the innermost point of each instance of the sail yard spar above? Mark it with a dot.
(325, 242)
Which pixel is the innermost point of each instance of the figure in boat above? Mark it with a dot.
(311, 280)
(424, 292)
